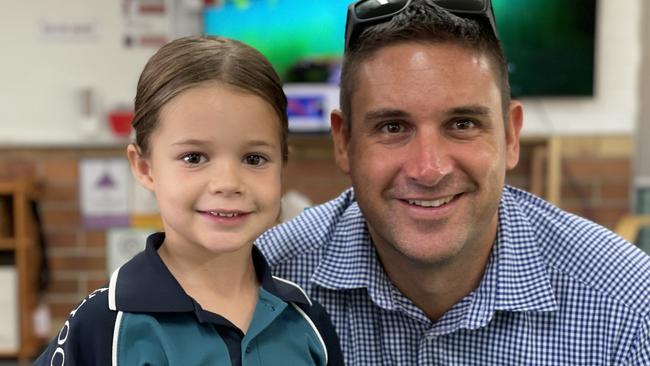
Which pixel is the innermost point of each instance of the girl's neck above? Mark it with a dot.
(224, 272)
(225, 284)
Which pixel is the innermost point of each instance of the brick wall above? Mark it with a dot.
(595, 183)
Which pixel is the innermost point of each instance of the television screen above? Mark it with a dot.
(549, 44)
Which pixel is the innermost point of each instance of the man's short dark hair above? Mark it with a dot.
(423, 21)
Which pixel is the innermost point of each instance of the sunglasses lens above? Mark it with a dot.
(376, 8)
(463, 5)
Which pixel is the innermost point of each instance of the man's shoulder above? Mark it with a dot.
(306, 234)
(578, 250)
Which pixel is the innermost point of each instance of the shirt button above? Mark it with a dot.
(248, 349)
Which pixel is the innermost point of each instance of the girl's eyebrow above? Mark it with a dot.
(192, 142)
(198, 142)
(262, 143)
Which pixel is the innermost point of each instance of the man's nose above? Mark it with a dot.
(429, 159)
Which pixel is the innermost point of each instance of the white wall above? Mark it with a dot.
(642, 140)
(40, 77)
(41, 74)
(614, 107)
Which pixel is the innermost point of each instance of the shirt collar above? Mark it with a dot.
(522, 279)
(144, 284)
(515, 279)
(350, 260)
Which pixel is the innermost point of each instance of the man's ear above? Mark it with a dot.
(341, 137)
(513, 130)
(140, 167)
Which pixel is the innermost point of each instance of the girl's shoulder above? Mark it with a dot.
(86, 336)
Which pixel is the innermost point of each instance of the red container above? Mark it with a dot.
(121, 122)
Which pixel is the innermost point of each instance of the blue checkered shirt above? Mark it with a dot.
(557, 290)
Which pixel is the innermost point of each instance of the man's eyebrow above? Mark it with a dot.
(385, 113)
(472, 110)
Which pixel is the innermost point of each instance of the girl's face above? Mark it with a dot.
(215, 167)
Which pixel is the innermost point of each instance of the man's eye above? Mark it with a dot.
(192, 158)
(392, 127)
(255, 160)
(464, 124)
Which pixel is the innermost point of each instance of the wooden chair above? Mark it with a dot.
(631, 225)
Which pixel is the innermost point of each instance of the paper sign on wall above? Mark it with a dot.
(122, 245)
(104, 192)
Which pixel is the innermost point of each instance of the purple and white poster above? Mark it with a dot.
(104, 196)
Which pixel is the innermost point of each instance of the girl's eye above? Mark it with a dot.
(255, 159)
(193, 158)
(392, 127)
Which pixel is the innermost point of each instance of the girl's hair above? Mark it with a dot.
(196, 60)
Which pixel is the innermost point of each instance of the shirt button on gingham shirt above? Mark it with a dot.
(558, 290)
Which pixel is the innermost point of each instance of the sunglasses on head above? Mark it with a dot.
(365, 13)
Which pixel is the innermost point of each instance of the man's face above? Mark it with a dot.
(427, 151)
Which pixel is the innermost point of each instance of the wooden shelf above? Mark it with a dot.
(7, 244)
(22, 244)
(629, 226)
(8, 354)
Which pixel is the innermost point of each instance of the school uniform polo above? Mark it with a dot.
(144, 317)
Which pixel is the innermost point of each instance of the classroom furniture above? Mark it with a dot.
(19, 242)
(631, 225)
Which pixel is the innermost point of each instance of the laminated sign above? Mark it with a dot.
(105, 185)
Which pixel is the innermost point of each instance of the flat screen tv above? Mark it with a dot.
(549, 44)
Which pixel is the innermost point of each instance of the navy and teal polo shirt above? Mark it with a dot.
(144, 317)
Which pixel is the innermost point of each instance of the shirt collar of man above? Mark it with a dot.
(516, 278)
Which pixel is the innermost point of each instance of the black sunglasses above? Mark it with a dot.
(365, 13)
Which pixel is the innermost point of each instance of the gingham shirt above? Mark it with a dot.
(557, 290)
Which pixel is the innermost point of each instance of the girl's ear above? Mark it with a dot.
(140, 166)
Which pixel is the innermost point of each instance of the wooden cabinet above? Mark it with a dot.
(19, 243)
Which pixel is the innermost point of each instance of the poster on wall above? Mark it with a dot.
(104, 200)
(147, 23)
(79, 21)
(144, 208)
(122, 245)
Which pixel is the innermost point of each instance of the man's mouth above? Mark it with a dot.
(431, 203)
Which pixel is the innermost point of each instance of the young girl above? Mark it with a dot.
(211, 129)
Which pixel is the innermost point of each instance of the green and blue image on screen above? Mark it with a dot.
(549, 44)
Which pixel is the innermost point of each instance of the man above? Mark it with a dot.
(431, 259)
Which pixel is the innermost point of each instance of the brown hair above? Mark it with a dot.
(423, 21)
(192, 61)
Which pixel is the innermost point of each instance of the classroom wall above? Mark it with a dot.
(43, 72)
(642, 166)
(45, 64)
